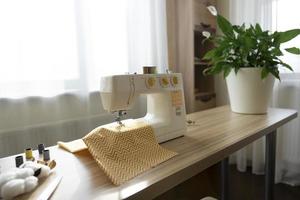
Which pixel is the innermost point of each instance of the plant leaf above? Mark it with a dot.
(224, 25)
(227, 70)
(236, 28)
(258, 28)
(293, 50)
(264, 72)
(275, 73)
(209, 55)
(249, 43)
(288, 35)
(276, 52)
(287, 66)
(217, 68)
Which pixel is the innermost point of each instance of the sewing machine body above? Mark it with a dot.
(165, 100)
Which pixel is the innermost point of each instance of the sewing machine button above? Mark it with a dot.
(164, 81)
(174, 80)
(150, 82)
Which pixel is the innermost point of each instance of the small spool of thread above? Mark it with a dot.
(41, 148)
(19, 160)
(149, 70)
(28, 154)
(46, 154)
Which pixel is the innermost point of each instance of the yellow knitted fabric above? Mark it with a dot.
(126, 152)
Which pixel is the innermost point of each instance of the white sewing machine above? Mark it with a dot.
(165, 100)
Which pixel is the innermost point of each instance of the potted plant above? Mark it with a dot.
(249, 59)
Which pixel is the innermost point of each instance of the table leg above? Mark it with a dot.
(224, 179)
(270, 165)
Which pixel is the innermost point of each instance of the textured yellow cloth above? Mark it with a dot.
(73, 146)
(124, 152)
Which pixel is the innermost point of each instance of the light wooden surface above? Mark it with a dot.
(216, 134)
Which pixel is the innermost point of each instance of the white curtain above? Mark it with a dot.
(52, 54)
(287, 95)
(286, 16)
(274, 15)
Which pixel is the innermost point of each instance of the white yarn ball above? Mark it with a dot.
(31, 183)
(5, 177)
(17, 181)
(45, 171)
(13, 188)
(31, 165)
(24, 173)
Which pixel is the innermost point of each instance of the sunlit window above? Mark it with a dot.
(286, 15)
(38, 40)
(49, 47)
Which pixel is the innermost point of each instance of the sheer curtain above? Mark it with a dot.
(286, 16)
(273, 15)
(52, 55)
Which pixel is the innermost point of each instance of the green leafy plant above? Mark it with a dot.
(240, 47)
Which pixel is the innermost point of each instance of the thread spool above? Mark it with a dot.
(41, 148)
(28, 154)
(46, 155)
(19, 160)
(149, 70)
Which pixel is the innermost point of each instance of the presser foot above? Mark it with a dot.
(119, 117)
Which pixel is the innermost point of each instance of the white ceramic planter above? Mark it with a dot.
(248, 93)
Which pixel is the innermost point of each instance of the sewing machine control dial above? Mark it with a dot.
(150, 82)
(174, 80)
(164, 81)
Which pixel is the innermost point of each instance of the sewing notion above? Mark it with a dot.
(28, 175)
(28, 154)
(41, 148)
(23, 179)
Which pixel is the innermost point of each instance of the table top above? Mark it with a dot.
(216, 134)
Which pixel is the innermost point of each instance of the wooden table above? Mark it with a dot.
(216, 134)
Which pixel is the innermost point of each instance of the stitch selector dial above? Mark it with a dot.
(174, 80)
(164, 81)
(150, 82)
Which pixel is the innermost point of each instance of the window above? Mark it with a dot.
(51, 47)
(38, 45)
(286, 16)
